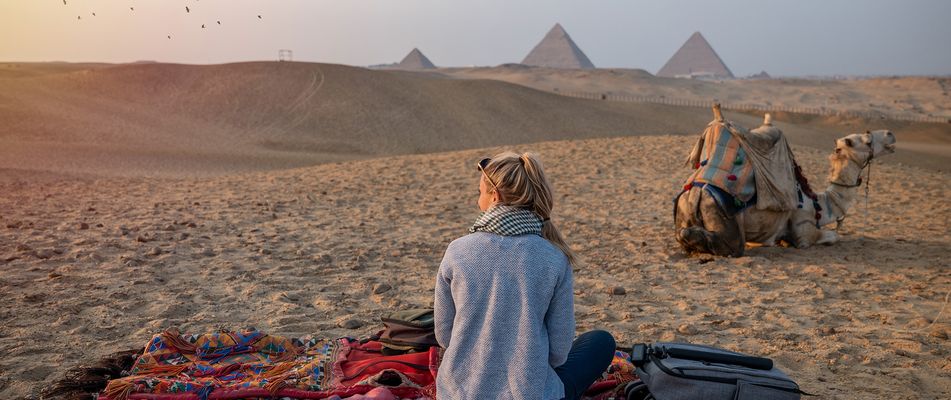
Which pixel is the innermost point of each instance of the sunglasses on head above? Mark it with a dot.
(482, 166)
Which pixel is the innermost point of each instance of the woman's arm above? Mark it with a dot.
(560, 319)
(445, 308)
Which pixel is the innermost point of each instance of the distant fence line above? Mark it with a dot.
(747, 106)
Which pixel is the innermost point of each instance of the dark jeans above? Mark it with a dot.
(589, 357)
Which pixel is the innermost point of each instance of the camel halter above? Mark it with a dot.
(868, 179)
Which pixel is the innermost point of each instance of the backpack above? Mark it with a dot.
(408, 331)
(683, 371)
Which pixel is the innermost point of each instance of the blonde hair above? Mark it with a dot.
(521, 182)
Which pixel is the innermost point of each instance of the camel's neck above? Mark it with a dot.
(839, 196)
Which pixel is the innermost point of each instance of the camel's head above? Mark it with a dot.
(864, 146)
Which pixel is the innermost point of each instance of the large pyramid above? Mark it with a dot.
(695, 59)
(557, 50)
(415, 60)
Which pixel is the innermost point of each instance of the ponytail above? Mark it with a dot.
(523, 183)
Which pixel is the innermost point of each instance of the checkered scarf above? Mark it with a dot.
(508, 221)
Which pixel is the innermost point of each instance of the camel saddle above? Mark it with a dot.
(746, 163)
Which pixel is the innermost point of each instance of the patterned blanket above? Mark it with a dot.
(612, 382)
(251, 364)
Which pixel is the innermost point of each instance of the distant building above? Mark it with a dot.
(383, 66)
(695, 59)
(760, 75)
(415, 60)
(557, 50)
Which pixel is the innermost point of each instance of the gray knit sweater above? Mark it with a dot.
(505, 315)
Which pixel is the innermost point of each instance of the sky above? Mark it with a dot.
(784, 38)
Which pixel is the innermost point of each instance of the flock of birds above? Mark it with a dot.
(188, 10)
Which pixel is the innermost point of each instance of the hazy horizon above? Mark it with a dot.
(807, 38)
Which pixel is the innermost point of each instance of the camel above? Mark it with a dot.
(703, 225)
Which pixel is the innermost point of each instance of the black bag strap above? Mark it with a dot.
(722, 358)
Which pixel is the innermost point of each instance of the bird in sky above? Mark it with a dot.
(187, 10)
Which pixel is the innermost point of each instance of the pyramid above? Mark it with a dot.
(695, 59)
(415, 60)
(557, 50)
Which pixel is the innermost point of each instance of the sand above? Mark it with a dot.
(169, 120)
(141, 197)
(127, 119)
(901, 96)
(301, 251)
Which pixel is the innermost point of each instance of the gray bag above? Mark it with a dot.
(682, 371)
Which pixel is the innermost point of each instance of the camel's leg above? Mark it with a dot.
(707, 229)
(827, 237)
(803, 230)
(686, 218)
(764, 227)
(726, 236)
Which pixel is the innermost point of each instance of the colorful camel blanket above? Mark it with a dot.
(724, 163)
(251, 365)
(745, 163)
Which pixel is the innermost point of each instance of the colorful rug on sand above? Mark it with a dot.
(251, 364)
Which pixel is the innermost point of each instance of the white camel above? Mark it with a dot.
(800, 227)
(703, 225)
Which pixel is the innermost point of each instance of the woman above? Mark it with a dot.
(504, 307)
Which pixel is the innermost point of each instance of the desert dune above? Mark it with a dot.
(310, 199)
(173, 120)
(278, 115)
(899, 96)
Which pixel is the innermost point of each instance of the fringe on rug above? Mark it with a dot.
(86, 381)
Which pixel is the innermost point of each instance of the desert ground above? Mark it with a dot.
(310, 199)
(175, 120)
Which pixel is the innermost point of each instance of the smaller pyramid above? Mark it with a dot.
(695, 58)
(557, 50)
(415, 60)
(761, 75)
